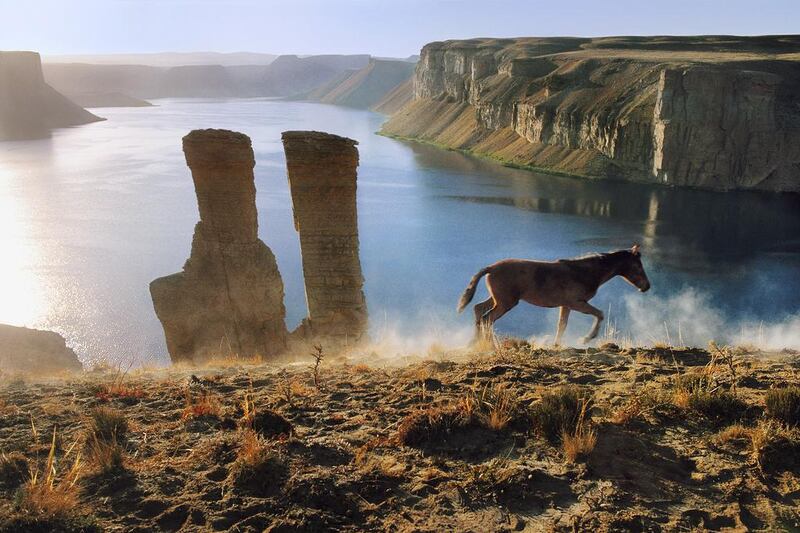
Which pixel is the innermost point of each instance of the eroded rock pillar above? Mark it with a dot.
(229, 297)
(322, 179)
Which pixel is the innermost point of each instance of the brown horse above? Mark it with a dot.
(566, 283)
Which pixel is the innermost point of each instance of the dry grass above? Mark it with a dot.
(561, 411)
(119, 390)
(106, 428)
(784, 405)
(579, 443)
(202, 405)
(638, 405)
(14, 470)
(258, 469)
(361, 368)
(48, 494)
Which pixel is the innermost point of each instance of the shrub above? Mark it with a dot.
(203, 405)
(14, 470)
(560, 411)
(580, 441)
(47, 494)
(784, 405)
(258, 469)
(108, 424)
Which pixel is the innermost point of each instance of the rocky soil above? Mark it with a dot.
(664, 439)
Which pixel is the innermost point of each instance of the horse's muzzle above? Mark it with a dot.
(645, 287)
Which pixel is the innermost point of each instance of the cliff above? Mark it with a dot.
(366, 87)
(35, 351)
(29, 107)
(713, 112)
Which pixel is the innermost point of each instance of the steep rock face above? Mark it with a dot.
(366, 87)
(29, 108)
(35, 351)
(322, 179)
(396, 99)
(229, 297)
(719, 113)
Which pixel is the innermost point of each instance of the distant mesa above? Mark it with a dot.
(285, 76)
(228, 300)
(35, 351)
(29, 107)
(717, 112)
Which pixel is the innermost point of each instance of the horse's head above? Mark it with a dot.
(632, 270)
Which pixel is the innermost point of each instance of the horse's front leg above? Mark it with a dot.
(587, 308)
(563, 316)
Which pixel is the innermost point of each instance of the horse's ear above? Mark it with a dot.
(635, 249)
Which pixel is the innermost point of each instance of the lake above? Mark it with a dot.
(91, 215)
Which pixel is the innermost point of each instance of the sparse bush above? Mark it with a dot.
(784, 405)
(48, 495)
(203, 405)
(14, 470)
(775, 448)
(700, 392)
(105, 430)
(432, 424)
(637, 405)
(259, 468)
(107, 455)
(108, 424)
(494, 408)
(560, 411)
(580, 441)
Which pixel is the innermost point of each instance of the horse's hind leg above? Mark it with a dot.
(563, 316)
(585, 307)
(481, 309)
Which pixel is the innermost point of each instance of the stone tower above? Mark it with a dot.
(229, 297)
(322, 179)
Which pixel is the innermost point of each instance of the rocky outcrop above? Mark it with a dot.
(35, 351)
(30, 108)
(322, 179)
(366, 87)
(713, 112)
(229, 297)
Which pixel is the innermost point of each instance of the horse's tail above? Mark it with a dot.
(469, 292)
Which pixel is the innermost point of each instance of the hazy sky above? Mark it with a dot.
(380, 27)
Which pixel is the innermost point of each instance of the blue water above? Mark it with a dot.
(93, 214)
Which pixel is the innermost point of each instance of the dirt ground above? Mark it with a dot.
(673, 439)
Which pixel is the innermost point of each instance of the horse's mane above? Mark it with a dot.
(594, 255)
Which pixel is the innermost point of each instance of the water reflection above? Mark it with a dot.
(688, 229)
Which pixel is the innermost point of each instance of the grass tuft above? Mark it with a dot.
(561, 411)
(784, 405)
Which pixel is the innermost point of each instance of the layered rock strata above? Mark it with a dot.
(229, 297)
(712, 112)
(29, 107)
(322, 178)
(35, 351)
